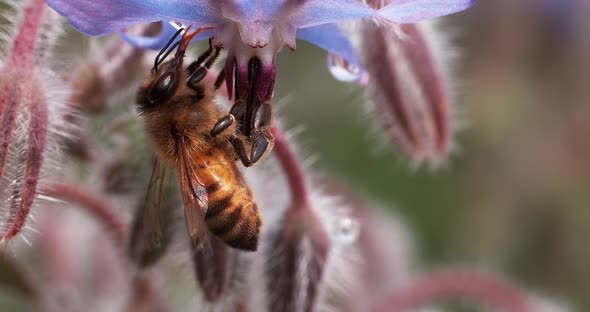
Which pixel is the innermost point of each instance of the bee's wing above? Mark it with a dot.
(147, 233)
(194, 197)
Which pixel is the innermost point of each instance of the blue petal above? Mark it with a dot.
(101, 17)
(330, 38)
(156, 43)
(316, 12)
(301, 13)
(411, 11)
(242, 10)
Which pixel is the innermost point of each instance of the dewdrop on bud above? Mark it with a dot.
(30, 114)
(346, 72)
(345, 230)
(409, 89)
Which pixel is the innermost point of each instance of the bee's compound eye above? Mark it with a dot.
(163, 88)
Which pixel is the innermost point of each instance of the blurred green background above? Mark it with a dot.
(514, 196)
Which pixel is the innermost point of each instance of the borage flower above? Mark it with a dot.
(257, 30)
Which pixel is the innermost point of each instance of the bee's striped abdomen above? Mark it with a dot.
(232, 213)
(234, 219)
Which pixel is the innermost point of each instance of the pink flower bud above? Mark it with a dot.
(409, 88)
(29, 116)
(296, 262)
(109, 69)
(299, 245)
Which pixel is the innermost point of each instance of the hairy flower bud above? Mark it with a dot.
(29, 116)
(108, 70)
(299, 246)
(409, 88)
(296, 262)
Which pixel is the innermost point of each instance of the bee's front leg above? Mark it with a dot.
(199, 68)
(237, 112)
(222, 125)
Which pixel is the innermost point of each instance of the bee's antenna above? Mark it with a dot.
(157, 61)
(163, 57)
(186, 39)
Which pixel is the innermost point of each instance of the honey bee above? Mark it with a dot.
(190, 134)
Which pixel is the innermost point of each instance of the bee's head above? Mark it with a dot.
(166, 76)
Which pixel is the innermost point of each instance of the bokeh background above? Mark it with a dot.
(515, 195)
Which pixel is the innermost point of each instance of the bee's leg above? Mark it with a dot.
(202, 66)
(222, 125)
(201, 59)
(238, 144)
(261, 142)
(261, 139)
(237, 112)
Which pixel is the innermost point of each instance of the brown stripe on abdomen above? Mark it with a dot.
(247, 236)
(213, 187)
(216, 206)
(224, 222)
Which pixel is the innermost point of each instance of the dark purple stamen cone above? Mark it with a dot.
(259, 85)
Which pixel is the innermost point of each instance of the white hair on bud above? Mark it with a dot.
(272, 192)
(411, 88)
(48, 34)
(42, 85)
(446, 56)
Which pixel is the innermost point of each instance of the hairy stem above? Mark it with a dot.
(292, 169)
(24, 42)
(443, 285)
(95, 206)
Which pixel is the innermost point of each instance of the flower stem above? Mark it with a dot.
(95, 206)
(292, 169)
(460, 284)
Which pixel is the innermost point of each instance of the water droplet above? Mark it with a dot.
(344, 71)
(346, 230)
